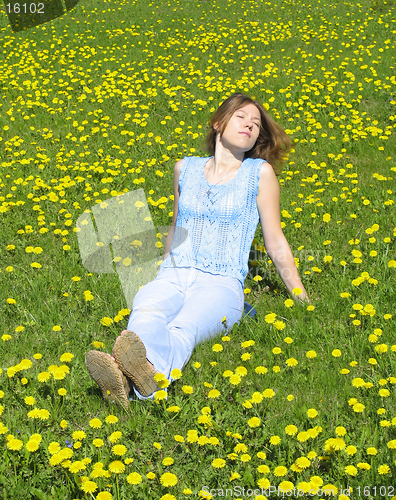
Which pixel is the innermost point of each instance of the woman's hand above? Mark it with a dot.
(308, 299)
(304, 297)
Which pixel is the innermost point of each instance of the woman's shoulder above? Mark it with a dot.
(189, 167)
(258, 161)
(196, 158)
(261, 167)
(192, 159)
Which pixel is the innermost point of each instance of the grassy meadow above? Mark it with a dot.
(104, 101)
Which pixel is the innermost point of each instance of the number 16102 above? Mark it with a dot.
(382, 491)
(31, 8)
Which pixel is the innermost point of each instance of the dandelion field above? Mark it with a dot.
(104, 101)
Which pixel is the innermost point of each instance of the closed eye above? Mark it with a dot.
(258, 124)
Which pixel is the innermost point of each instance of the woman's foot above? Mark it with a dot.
(112, 382)
(130, 355)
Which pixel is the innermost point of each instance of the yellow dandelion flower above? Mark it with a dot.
(115, 436)
(351, 450)
(268, 393)
(263, 469)
(173, 409)
(384, 469)
(263, 483)
(302, 436)
(116, 467)
(235, 379)
(285, 486)
(280, 471)
(95, 423)
(54, 447)
(257, 397)
(89, 486)
(261, 370)
(14, 444)
(44, 414)
(111, 419)
(275, 440)
(104, 495)
(291, 430)
(176, 374)
(168, 479)
(218, 463)
(134, 478)
(303, 462)
(66, 357)
(213, 394)
(78, 435)
(192, 436)
(254, 422)
(160, 395)
(77, 466)
(119, 450)
(358, 407)
(241, 371)
(32, 445)
(270, 318)
(43, 377)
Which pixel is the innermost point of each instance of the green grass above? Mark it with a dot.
(69, 89)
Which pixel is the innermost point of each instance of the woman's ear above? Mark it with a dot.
(215, 125)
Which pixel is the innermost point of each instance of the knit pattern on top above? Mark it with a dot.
(215, 224)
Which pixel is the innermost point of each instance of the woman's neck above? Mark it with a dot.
(221, 163)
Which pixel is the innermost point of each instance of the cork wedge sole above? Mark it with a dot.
(105, 372)
(130, 355)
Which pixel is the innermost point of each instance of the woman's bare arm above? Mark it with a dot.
(276, 245)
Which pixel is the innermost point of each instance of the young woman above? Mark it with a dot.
(218, 202)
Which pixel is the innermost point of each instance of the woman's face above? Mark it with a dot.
(243, 128)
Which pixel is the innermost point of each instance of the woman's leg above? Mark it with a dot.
(155, 305)
(179, 309)
(209, 300)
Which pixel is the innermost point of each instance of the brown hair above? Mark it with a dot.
(272, 144)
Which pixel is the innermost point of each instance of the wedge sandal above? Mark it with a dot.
(113, 384)
(130, 355)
